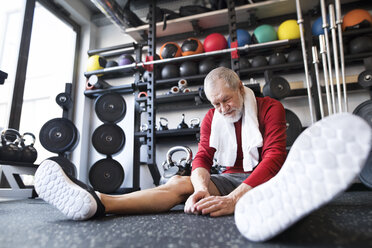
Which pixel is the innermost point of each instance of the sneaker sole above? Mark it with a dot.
(322, 163)
(54, 187)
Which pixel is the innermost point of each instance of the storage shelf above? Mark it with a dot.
(122, 89)
(218, 18)
(171, 133)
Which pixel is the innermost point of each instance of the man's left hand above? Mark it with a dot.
(216, 205)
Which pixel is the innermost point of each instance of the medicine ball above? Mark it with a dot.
(111, 63)
(357, 18)
(96, 62)
(360, 44)
(244, 63)
(264, 33)
(191, 46)
(214, 42)
(294, 56)
(188, 68)
(289, 29)
(317, 28)
(225, 63)
(170, 50)
(277, 59)
(206, 65)
(146, 77)
(125, 59)
(243, 37)
(169, 71)
(259, 61)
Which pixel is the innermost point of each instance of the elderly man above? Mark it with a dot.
(247, 134)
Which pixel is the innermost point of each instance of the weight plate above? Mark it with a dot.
(294, 126)
(364, 110)
(68, 167)
(279, 88)
(365, 175)
(106, 175)
(110, 107)
(108, 139)
(59, 135)
(365, 79)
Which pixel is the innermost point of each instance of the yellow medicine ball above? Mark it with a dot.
(289, 30)
(95, 62)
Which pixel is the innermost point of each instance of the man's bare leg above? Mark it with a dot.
(155, 200)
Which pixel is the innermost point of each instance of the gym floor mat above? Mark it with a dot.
(344, 222)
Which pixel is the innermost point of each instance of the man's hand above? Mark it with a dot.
(194, 198)
(221, 205)
(216, 205)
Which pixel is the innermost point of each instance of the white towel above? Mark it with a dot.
(223, 137)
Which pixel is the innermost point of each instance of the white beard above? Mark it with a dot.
(238, 112)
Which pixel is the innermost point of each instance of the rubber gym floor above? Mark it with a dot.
(344, 222)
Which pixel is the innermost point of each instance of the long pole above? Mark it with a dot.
(300, 23)
(316, 62)
(329, 60)
(335, 54)
(341, 45)
(325, 71)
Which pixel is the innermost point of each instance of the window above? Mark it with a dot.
(11, 18)
(50, 66)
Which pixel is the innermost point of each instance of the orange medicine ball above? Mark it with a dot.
(191, 46)
(357, 18)
(170, 50)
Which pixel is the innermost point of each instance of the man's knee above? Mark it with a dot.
(180, 184)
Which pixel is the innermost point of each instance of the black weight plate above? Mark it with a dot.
(106, 175)
(110, 107)
(364, 110)
(365, 175)
(68, 167)
(59, 135)
(108, 139)
(279, 88)
(294, 126)
(365, 79)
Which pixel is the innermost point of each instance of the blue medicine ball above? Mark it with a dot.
(243, 37)
(317, 28)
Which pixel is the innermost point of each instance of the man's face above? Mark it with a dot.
(226, 101)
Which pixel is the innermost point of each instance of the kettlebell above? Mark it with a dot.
(29, 153)
(163, 123)
(10, 139)
(171, 168)
(183, 124)
(194, 123)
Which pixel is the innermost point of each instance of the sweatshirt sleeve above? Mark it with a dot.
(273, 129)
(205, 154)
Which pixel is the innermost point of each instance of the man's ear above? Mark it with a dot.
(241, 87)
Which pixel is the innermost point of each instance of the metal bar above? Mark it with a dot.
(329, 60)
(300, 23)
(151, 98)
(233, 35)
(20, 79)
(189, 57)
(341, 46)
(325, 72)
(112, 48)
(335, 54)
(316, 62)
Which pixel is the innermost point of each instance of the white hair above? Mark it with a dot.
(228, 76)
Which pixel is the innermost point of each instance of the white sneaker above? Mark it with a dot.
(322, 163)
(73, 198)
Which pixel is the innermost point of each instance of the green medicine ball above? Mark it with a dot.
(264, 33)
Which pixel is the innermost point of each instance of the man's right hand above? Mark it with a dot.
(194, 198)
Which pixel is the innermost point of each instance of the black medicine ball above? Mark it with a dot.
(169, 71)
(188, 68)
(206, 65)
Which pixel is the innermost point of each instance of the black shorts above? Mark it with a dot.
(227, 182)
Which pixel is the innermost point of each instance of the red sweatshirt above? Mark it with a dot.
(272, 125)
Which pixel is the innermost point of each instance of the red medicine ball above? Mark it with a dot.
(170, 50)
(215, 42)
